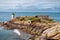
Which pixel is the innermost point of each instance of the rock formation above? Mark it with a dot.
(41, 27)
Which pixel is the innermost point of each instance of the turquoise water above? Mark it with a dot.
(6, 16)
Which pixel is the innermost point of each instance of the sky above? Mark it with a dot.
(29, 5)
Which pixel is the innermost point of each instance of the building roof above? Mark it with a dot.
(13, 13)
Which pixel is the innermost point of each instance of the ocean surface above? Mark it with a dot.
(6, 16)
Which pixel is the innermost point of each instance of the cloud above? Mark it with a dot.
(29, 4)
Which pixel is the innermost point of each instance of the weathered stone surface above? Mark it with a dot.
(53, 32)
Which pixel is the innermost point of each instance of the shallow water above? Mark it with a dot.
(8, 35)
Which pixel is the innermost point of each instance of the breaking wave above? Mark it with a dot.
(17, 31)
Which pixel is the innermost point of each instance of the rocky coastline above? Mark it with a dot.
(41, 27)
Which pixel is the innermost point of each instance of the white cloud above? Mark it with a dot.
(28, 4)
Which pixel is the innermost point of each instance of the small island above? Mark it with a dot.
(41, 27)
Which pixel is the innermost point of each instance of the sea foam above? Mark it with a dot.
(17, 31)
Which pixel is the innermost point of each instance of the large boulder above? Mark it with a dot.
(53, 32)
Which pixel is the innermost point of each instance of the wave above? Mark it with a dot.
(1, 28)
(17, 31)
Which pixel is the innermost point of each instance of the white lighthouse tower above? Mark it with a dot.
(12, 16)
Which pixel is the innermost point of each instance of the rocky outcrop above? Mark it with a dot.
(39, 27)
(53, 32)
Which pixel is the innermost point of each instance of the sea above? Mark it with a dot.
(6, 16)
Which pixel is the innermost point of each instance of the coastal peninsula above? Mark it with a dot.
(41, 27)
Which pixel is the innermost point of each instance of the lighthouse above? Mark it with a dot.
(12, 16)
